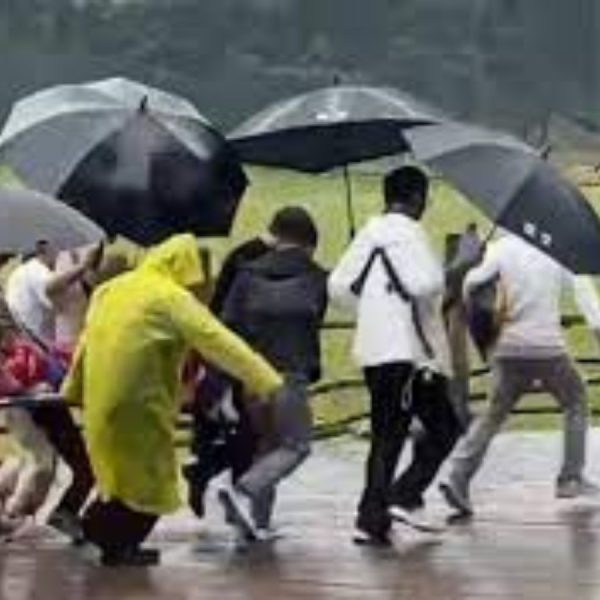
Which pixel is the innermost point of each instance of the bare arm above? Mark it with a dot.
(61, 282)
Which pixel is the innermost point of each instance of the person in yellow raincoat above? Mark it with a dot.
(127, 373)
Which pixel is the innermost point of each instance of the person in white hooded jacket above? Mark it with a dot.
(391, 278)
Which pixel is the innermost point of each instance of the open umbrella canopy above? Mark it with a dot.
(515, 188)
(139, 161)
(331, 127)
(27, 216)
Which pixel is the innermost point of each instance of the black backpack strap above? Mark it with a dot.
(398, 287)
(358, 284)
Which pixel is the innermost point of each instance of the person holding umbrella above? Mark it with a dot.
(127, 373)
(390, 276)
(530, 352)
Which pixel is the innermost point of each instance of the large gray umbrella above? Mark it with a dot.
(66, 122)
(515, 188)
(332, 127)
(139, 161)
(27, 216)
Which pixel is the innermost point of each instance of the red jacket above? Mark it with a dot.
(23, 363)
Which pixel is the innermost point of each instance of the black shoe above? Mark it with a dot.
(363, 537)
(196, 489)
(131, 557)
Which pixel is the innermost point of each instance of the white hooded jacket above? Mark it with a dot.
(385, 330)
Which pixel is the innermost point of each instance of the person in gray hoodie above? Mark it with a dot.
(277, 303)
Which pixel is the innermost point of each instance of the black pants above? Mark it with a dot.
(114, 527)
(217, 446)
(61, 430)
(399, 393)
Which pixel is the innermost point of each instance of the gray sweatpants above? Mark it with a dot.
(293, 424)
(511, 379)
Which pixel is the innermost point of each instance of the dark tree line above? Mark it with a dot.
(508, 62)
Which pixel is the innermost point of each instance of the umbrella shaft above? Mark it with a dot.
(349, 205)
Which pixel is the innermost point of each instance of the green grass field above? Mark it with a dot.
(324, 197)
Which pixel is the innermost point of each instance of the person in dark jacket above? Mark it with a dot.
(277, 304)
(244, 253)
(223, 435)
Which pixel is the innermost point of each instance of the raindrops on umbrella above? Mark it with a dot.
(139, 161)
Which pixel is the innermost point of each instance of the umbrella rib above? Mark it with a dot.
(17, 132)
(382, 94)
(289, 105)
(87, 150)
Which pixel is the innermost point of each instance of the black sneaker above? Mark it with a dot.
(131, 557)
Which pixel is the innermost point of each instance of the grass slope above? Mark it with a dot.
(324, 197)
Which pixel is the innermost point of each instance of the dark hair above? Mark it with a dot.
(294, 224)
(405, 186)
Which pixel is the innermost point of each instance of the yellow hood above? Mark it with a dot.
(178, 259)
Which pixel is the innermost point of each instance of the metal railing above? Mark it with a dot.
(344, 384)
(357, 383)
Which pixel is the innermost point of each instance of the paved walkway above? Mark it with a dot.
(524, 544)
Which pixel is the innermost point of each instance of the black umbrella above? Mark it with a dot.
(140, 162)
(515, 188)
(27, 217)
(332, 127)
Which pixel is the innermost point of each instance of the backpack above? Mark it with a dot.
(486, 312)
(296, 296)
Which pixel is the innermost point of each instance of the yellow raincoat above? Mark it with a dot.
(127, 369)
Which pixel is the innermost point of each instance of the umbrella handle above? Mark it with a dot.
(349, 206)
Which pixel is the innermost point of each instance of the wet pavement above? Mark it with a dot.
(523, 544)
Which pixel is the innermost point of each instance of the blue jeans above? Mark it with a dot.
(293, 425)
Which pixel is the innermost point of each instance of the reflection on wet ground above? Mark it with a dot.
(524, 544)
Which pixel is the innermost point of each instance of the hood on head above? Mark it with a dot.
(178, 259)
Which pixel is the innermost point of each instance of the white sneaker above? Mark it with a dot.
(268, 534)
(238, 512)
(417, 519)
(575, 488)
